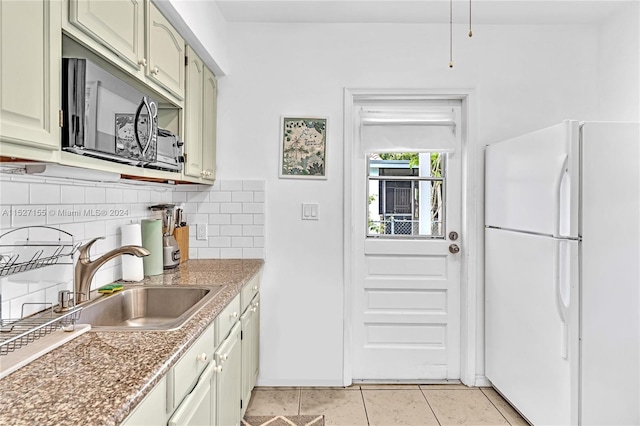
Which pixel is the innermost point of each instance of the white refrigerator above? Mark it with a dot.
(562, 274)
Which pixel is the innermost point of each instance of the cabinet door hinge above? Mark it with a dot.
(186, 60)
(60, 118)
(240, 404)
(241, 335)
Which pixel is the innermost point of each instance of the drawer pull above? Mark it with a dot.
(202, 357)
(155, 71)
(233, 315)
(224, 357)
(255, 288)
(254, 309)
(217, 369)
(142, 62)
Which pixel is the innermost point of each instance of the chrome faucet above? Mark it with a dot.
(86, 268)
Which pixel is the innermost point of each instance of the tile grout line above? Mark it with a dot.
(495, 406)
(429, 405)
(299, 401)
(364, 405)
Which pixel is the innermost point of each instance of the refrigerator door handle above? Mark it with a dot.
(563, 194)
(562, 288)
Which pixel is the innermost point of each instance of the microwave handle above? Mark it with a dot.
(152, 119)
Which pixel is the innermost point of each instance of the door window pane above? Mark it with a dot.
(406, 195)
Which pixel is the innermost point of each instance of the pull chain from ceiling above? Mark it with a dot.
(470, 32)
(451, 30)
(450, 33)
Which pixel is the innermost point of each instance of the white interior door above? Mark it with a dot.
(406, 294)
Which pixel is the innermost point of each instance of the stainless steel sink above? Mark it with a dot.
(159, 308)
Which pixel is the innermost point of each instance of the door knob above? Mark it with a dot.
(453, 248)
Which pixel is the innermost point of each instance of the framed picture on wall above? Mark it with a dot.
(303, 147)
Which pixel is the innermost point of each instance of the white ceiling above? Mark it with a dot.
(421, 11)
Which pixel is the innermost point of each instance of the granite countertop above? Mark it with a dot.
(99, 377)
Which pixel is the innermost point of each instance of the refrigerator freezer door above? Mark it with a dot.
(532, 182)
(531, 337)
(610, 274)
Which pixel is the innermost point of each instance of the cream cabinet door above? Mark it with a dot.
(30, 52)
(250, 321)
(165, 53)
(193, 116)
(152, 411)
(209, 115)
(116, 24)
(229, 385)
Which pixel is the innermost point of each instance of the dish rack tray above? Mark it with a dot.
(56, 246)
(17, 333)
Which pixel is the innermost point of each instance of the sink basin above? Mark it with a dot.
(159, 308)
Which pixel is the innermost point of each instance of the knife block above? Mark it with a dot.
(182, 238)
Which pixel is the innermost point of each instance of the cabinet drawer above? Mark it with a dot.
(249, 291)
(227, 318)
(192, 363)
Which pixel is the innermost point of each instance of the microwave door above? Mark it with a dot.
(73, 101)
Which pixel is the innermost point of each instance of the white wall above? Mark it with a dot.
(619, 66)
(525, 77)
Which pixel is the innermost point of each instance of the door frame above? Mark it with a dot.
(472, 230)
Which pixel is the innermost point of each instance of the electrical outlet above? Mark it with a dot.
(201, 231)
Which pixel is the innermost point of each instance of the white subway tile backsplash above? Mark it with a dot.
(28, 215)
(253, 230)
(208, 253)
(252, 207)
(244, 242)
(72, 195)
(231, 185)
(197, 197)
(258, 242)
(220, 219)
(129, 196)
(258, 219)
(231, 253)
(212, 230)
(242, 197)
(231, 208)
(242, 219)
(231, 230)
(253, 253)
(208, 208)
(114, 195)
(14, 193)
(253, 185)
(95, 195)
(220, 197)
(220, 242)
(258, 196)
(44, 194)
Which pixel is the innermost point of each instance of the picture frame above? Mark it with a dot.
(303, 147)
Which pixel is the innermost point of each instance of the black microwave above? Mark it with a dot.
(105, 117)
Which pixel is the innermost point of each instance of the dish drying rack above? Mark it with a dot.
(20, 251)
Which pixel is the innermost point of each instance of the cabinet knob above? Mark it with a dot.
(224, 357)
(255, 288)
(254, 309)
(233, 315)
(155, 71)
(217, 369)
(202, 357)
(142, 62)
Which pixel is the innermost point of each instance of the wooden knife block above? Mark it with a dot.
(182, 238)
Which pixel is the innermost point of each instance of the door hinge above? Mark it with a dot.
(240, 404)
(60, 118)
(186, 60)
(241, 335)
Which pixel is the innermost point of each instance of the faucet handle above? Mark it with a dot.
(84, 249)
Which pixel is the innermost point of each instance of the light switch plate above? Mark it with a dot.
(201, 231)
(310, 211)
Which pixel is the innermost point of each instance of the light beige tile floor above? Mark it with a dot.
(389, 405)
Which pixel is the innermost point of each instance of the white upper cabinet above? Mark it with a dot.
(165, 52)
(193, 116)
(30, 43)
(117, 25)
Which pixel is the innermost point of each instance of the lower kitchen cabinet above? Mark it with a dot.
(198, 408)
(250, 322)
(229, 385)
(212, 382)
(152, 411)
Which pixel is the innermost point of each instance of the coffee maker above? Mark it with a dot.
(171, 251)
